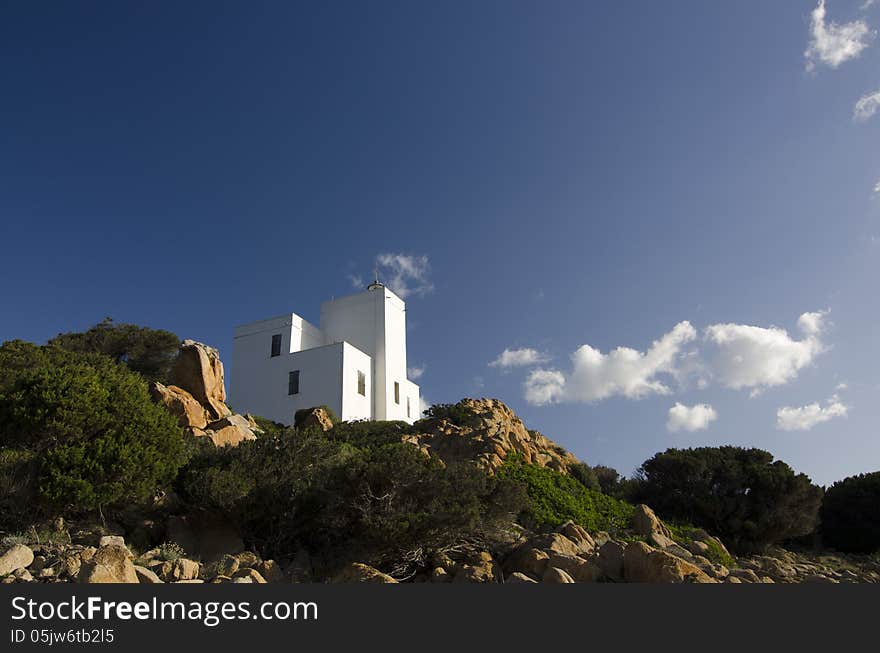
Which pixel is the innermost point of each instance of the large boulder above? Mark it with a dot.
(646, 523)
(199, 371)
(610, 560)
(317, 417)
(230, 431)
(493, 432)
(578, 535)
(110, 564)
(180, 403)
(14, 558)
(643, 564)
(357, 572)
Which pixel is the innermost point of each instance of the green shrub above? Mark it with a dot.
(268, 426)
(85, 429)
(365, 433)
(742, 495)
(149, 352)
(380, 502)
(170, 551)
(459, 414)
(850, 514)
(554, 498)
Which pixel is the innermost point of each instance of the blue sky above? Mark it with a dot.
(554, 179)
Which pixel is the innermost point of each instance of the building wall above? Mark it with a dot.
(365, 331)
(354, 405)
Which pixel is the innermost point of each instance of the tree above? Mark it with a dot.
(149, 352)
(850, 514)
(85, 426)
(743, 495)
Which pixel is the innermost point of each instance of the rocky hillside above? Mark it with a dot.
(173, 541)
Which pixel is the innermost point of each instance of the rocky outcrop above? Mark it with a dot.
(199, 371)
(358, 572)
(110, 564)
(14, 558)
(230, 431)
(644, 564)
(317, 417)
(493, 432)
(178, 402)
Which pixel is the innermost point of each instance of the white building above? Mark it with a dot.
(355, 363)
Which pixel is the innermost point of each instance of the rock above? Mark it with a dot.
(820, 579)
(110, 564)
(357, 572)
(243, 579)
(660, 541)
(579, 569)
(177, 401)
(645, 522)
(227, 565)
(440, 575)
(554, 575)
(112, 540)
(733, 579)
(199, 371)
(578, 535)
(146, 576)
(22, 575)
(745, 575)
(16, 557)
(697, 548)
(180, 569)
(253, 574)
(642, 564)
(554, 543)
(191, 581)
(611, 560)
(271, 571)
(204, 535)
(316, 417)
(480, 569)
(517, 577)
(248, 559)
(493, 432)
(527, 560)
(230, 436)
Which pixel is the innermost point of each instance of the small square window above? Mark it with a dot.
(407, 407)
(293, 383)
(362, 383)
(276, 345)
(396, 392)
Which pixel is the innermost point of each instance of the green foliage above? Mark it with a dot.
(743, 495)
(585, 475)
(170, 551)
(268, 426)
(459, 414)
(366, 433)
(149, 352)
(376, 501)
(850, 514)
(80, 431)
(300, 415)
(555, 498)
(684, 534)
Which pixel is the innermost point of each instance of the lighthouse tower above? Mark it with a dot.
(355, 362)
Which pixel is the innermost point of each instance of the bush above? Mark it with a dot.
(382, 503)
(742, 495)
(459, 414)
(84, 430)
(850, 514)
(149, 352)
(554, 498)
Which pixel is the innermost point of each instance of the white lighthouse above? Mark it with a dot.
(355, 363)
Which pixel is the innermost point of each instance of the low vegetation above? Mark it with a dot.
(851, 514)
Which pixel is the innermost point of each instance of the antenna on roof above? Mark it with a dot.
(376, 283)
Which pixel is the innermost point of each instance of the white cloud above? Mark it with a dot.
(519, 358)
(833, 44)
(693, 418)
(357, 281)
(877, 187)
(867, 4)
(406, 275)
(866, 107)
(415, 372)
(622, 371)
(423, 406)
(757, 357)
(806, 417)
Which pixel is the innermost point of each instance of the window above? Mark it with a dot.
(293, 383)
(396, 392)
(362, 383)
(407, 407)
(276, 345)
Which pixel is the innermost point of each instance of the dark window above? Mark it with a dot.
(396, 392)
(276, 345)
(293, 383)
(407, 407)
(362, 383)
